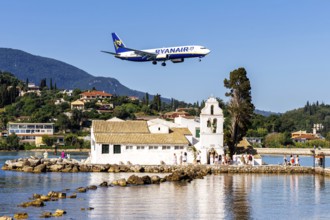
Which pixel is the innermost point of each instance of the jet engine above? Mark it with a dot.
(179, 60)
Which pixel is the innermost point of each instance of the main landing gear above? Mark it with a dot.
(155, 62)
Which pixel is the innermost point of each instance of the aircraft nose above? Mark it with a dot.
(207, 51)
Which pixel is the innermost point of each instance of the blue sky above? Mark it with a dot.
(284, 45)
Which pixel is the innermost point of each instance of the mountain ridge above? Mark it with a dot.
(66, 76)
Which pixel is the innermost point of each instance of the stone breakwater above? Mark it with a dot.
(38, 165)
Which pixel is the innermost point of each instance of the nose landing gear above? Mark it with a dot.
(163, 63)
(154, 62)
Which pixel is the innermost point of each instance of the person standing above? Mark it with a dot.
(234, 159)
(199, 158)
(216, 159)
(180, 158)
(175, 159)
(297, 160)
(45, 154)
(62, 154)
(211, 158)
(184, 159)
(285, 161)
(291, 160)
(250, 159)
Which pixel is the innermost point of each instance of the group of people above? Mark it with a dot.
(293, 160)
(244, 159)
(182, 159)
(63, 155)
(216, 159)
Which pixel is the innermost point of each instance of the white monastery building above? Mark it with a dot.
(156, 141)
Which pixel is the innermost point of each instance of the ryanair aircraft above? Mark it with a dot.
(175, 54)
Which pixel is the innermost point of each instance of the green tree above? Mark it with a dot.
(13, 141)
(147, 99)
(63, 122)
(43, 84)
(71, 140)
(76, 119)
(49, 141)
(240, 107)
(51, 84)
(328, 136)
(275, 140)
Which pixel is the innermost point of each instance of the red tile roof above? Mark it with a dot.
(95, 93)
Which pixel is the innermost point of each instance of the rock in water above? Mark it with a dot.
(73, 196)
(59, 212)
(35, 203)
(104, 184)
(6, 217)
(92, 187)
(122, 182)
(155, 179)
(46, 215)
(27, 169)
(40, 168)
(82, 189)
(146, 179)
(21, 215)
(135, 180)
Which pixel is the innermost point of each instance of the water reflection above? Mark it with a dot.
(237, 188)
(226, 196)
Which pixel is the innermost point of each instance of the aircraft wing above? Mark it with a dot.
(148, 55)
(109, 52)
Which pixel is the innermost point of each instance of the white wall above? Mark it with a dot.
(143, 157)
(191, 124)
(158, 128)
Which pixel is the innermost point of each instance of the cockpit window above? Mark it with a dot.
(202, 48)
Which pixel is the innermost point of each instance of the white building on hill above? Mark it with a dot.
(142, 142)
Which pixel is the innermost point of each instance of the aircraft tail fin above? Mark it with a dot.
(118, 43)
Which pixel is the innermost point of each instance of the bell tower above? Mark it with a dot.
(211, 127)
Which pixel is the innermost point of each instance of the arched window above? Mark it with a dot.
(209, 123)
(212, 109)
(214, 125)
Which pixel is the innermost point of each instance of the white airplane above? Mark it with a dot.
(175, 54)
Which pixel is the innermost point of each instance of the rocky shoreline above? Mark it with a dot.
(40, 165)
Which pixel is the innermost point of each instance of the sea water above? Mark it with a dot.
(225, 196)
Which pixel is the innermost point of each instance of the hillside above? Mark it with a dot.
(24, 65)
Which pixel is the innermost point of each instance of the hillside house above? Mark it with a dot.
(94, 95)
(78, 104)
